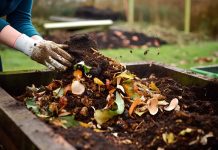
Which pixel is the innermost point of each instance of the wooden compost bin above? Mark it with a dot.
(20, 129)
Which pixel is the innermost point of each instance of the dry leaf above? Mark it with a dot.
(126, 141)
(195, 141)
(85, 125)
(53, 107)
(77, 88)
(64, 114)
(159, 96)
(203, 140)
(177, 108)
(126, 75)
(98, 81)
(152, 106)
(121, 88)
(54, 85)
(141, 110)
(174, 102)
(163, 103)
(135, 103)
(67, 88)
(187, 130)
(153, 87)
(168, 138)
(100, 131)
(78, 74)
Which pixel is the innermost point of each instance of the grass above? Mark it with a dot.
(14, 60)
(181, 56)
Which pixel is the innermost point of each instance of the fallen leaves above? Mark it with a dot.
(102, 116)
(169, 138)
(153, 87)
(77, 74)
(173, 104)
(135, 103)
(31, 104)
(152, 106)
(203, 139)
(185, 131)
(98, 81)
(202, 60)
(65, 121)
(125, 91)
(77, 88)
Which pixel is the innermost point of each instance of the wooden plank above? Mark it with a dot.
(77, 24)
(187, 16)
(6, 142)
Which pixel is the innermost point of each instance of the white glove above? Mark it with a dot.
(45, 52)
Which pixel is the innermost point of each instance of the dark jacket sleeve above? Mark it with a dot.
(3, 23)
(20, 19)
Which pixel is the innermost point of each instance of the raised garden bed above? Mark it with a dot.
(198, 113)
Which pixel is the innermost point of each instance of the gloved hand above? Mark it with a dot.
(45, 52)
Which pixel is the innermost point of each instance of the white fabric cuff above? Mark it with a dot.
(25, 44)
(37, 38)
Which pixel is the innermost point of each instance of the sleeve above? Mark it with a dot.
(20, 19)
(3, 23)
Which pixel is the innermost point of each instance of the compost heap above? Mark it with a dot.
(114, 38)
(99, 104)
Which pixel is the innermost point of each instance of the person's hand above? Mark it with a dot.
(52, 55)
(45, 52)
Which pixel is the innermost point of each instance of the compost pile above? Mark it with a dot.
(114, 39)
(125, 39)
(98, 104)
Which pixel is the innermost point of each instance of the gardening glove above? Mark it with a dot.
(45, 52)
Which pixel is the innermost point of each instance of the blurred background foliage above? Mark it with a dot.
(166, 13)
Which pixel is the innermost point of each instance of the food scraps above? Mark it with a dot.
(58, 102)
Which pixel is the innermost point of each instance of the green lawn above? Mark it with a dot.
(181, 56)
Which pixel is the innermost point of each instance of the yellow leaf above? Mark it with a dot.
(85, 125)
(98, 81)
(187, 130)
(153, 87)
(126, 75)
(168, 138)
(99, 131)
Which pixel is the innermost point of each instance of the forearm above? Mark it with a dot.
(11, 37)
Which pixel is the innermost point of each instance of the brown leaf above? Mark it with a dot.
(153, 106)
(173, 104)
(77, 88)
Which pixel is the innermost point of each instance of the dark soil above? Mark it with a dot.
(90, 12)
(145, 132)
(83, 48)
(124, 39)
(115, 39)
